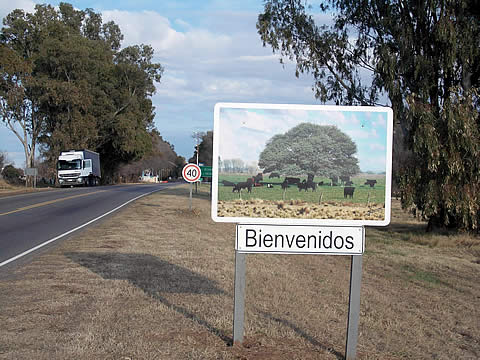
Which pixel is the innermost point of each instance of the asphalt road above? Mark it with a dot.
(28, 220)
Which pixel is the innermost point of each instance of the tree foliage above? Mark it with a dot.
(205, 148)
(310, 149)
(70, 86)
(162, 160)
(424, 56)
(12, 175)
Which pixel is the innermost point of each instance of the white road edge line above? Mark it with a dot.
(73, 230)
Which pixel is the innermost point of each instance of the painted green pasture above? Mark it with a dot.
(362, 193)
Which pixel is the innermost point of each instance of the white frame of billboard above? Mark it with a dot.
(295, 221)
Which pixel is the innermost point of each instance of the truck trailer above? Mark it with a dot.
(78, 167)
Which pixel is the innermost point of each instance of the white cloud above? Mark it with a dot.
(336, 118)
(362, 134)
(372, 163)
(358, 133)
(257, 58)
(171, 46)
(145, 27)
(379, 121)
(231, 64)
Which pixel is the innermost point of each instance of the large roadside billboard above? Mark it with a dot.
(302, 164)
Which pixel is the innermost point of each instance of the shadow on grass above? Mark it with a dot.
(154, 276)
(303, 334)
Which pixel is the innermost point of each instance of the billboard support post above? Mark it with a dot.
(353, 307)
(239, 298)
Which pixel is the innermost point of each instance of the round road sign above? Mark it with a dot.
(191, 173)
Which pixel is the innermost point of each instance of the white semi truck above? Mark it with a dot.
(78, 167)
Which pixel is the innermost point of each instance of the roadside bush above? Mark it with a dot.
(12, 175)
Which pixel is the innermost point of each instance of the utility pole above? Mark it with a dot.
(197, 151)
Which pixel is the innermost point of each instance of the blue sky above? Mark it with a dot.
(243, 132)
(211, 53)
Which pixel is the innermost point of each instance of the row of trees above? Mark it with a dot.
(162, 160)
(237, 166)
(66, 83)
(424, 57)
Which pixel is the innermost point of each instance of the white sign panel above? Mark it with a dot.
(31, 171)
(302, 164)
(191, 173)
(285, 239)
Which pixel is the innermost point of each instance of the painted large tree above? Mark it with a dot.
(424, 57)
(322, 150)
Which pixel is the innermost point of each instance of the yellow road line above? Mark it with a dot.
(49, 202)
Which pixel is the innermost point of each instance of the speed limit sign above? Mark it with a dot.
(191, 173)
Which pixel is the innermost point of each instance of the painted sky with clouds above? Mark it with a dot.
(211, 53)
(245, 131)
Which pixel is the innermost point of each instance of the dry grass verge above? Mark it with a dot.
(156, 282)
(7, 189)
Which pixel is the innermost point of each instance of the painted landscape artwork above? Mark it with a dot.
(302, 164)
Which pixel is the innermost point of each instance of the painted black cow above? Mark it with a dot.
(258, 178)
(274, 175)
(305, 185)
(243, 185)
(302, 185)
(227, 183)
(370, 182)
(292, 180)
(348, 191)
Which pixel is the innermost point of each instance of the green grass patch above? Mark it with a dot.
(362, 195)
(412, 273)
(396, 252)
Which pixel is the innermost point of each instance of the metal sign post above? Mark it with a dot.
(239, 298)
(354, 307)
(190, 203)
